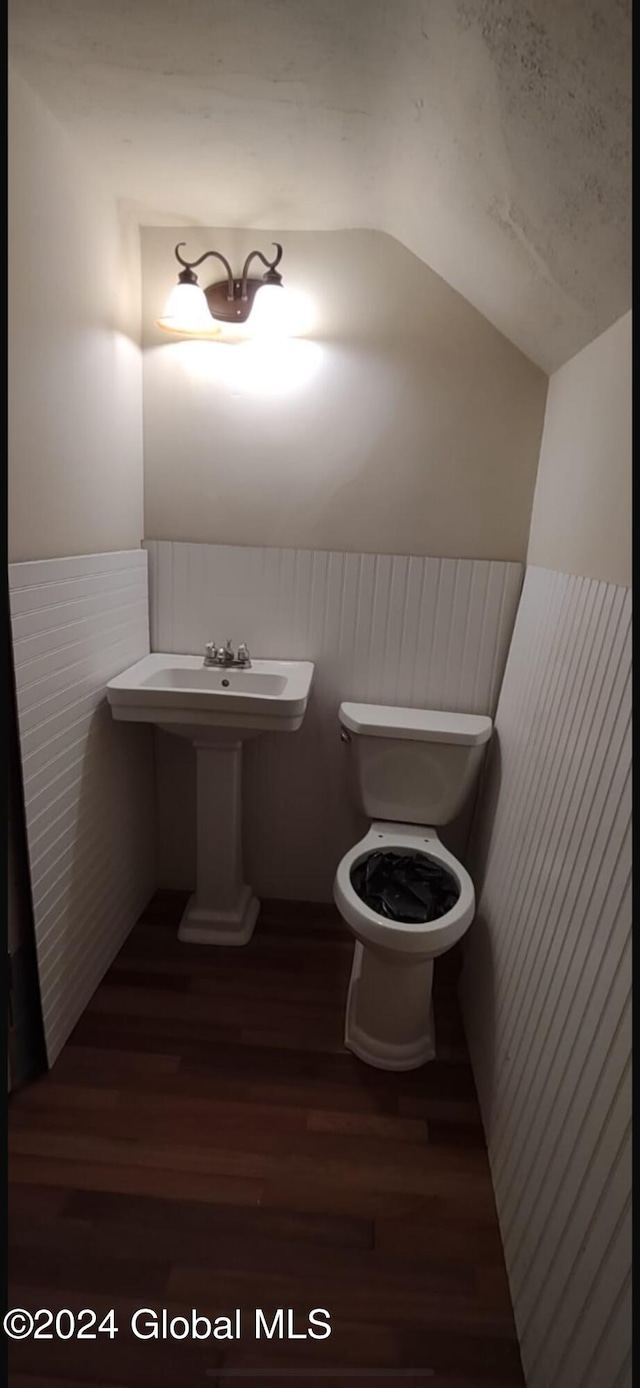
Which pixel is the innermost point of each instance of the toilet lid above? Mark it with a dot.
(417, 724)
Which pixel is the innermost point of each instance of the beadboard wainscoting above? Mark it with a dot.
(381, 628)
(88, 782)
(547, 978)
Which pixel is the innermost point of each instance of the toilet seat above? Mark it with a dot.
(423, 940)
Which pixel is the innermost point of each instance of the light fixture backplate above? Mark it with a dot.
(234, 310)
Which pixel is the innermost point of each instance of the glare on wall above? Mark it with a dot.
(264, 366)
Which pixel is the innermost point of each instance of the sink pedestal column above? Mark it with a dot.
(222, 910)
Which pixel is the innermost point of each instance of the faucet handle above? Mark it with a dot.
(244, 655)
(210, 647)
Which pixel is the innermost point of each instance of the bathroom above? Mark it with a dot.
(231, 1091)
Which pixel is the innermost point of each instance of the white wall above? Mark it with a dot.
(581, 520)
(382, 628)
(88, 781)
(75, 489)
(547, 976)
(75, 403)
(404, 424)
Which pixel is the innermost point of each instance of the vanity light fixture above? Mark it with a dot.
(193, 311)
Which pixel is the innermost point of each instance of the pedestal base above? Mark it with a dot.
(389, 1018)
(223, 909)
(207, 926)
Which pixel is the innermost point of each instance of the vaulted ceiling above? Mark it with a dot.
(491, 137)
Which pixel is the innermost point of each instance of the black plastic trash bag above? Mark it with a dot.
(409, 887)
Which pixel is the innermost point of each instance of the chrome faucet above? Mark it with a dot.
(223, 656)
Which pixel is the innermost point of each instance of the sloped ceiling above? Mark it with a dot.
(491, 137)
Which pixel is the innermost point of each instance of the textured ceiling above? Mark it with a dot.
(491, 137)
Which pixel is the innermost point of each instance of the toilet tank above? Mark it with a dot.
(410, 765)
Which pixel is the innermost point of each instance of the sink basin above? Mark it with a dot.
(178, 689)
(217, 710)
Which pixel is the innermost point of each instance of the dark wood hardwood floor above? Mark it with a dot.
(204, 1141)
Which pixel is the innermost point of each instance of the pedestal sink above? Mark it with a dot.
(217, 710)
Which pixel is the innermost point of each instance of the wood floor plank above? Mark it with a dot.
(211, 1221)
(135, 1179)
(205, 1141)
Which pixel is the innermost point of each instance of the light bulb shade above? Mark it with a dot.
(187, 312)
(278, 312)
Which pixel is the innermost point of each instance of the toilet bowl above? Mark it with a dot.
(389, 1016)
(411, 763)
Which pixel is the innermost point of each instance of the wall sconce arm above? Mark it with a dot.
(190, 265)
(272, 276)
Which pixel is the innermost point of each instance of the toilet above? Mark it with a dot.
(412, 769)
